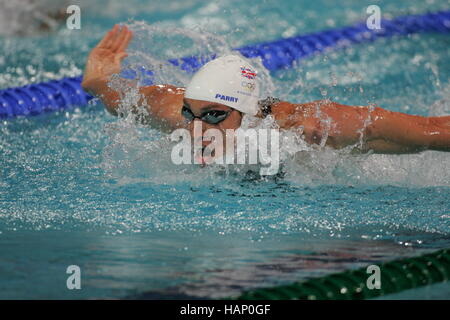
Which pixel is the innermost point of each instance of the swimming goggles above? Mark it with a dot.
(211, 117)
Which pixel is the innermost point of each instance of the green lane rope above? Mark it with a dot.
(396, 276)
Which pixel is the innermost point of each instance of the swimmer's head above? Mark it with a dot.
(217, 96)
(229, 80)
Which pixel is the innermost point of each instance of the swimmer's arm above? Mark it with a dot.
(158, 106)
(410, 133)
(382, 131)
(103, 62)
(163, 104)
(99, 88)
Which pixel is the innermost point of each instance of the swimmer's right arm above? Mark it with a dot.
(104, 61)
(162, 102)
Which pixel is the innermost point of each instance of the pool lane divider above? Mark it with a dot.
(35, 99)
(396, 276)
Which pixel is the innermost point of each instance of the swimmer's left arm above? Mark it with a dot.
(411, 133)
(369, 128)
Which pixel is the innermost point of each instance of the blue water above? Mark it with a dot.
(83, 188)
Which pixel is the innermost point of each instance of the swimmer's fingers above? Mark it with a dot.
(119, 39)
(124, 45)
(102, 43)
(107, 40)
(119, 57)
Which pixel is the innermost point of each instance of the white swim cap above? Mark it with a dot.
(229, 80)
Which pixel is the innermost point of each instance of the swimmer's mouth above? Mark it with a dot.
(212, 153)
(204, 159)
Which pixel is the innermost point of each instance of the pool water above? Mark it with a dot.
(81, 187)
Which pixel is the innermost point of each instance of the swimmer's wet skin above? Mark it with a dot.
(227, 88)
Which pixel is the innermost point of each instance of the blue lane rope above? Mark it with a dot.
(61, 94)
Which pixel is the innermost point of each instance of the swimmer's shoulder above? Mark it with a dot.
(162, 91)
(289, 115)
(164, 103)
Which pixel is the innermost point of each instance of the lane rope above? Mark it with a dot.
(35, 99)
(396, 276)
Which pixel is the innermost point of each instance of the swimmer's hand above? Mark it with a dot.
(105, 59)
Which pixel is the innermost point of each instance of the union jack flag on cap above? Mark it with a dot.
(248, 73)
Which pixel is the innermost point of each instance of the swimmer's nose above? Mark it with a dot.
(197, 122)
(201, 140)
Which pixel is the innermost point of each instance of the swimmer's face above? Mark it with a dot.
(211, 115)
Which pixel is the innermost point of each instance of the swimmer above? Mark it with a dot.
(28, 17)
(226, 88)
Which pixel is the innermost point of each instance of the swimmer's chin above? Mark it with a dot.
(203, 161)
